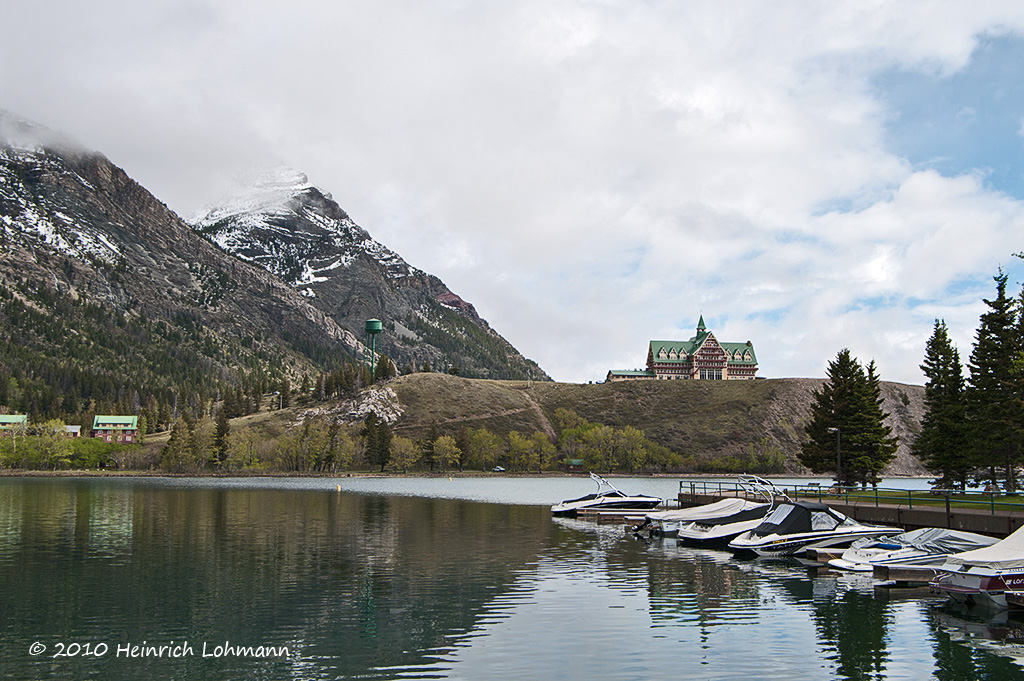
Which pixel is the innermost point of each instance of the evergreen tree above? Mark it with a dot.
(994, 426)
(942, 444)
(286, 394)
(847, 433)
(220, 442)
(384, 370)
(176, 456)
(377, 435)
(872, 446)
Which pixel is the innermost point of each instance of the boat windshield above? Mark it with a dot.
(823, 521)
(779, 514)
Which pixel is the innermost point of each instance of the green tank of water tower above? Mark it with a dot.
(374, 327)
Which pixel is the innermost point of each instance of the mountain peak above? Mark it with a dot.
(295, 230)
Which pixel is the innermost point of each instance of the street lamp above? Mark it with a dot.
(839, 456)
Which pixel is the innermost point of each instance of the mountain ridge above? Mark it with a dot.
(296, 230)
(101, 284)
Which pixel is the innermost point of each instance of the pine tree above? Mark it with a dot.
(220, 441)
(942, 444)
(993, 389)
(384, 370)
(847, 432)
(377, 435)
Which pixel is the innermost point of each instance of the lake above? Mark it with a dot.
(413, 578)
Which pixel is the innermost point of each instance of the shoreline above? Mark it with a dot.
(20, 473)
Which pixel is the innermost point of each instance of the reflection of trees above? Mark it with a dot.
(353, 582)
(854, 625)
(976, 644)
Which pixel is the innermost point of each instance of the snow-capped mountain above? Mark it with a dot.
(74, 224)
(292, 228)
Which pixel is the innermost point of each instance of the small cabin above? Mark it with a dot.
(124, 429)
(12, 423)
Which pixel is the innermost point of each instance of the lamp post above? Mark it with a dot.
(839, 456)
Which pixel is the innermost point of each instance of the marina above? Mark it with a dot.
(388, 578)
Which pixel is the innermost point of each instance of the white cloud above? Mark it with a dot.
(590, 175)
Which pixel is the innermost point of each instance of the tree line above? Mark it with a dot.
(973, 429)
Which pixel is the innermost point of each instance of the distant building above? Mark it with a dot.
(116, 428)
(73, 431)
(702, 358)
(13, 422)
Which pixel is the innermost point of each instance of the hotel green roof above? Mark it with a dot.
(691, 346)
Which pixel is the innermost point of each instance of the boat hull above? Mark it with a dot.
(979, 585)
(570, 509)
(774, 545)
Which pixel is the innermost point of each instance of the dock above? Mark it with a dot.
(996, 521)
(612, 516)
(901, 575)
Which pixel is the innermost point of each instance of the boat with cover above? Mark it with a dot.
(983, 576)
(606, 498)
(720, 529)
(718, 522)
(669, 523)
(926, 547)
(795, 526)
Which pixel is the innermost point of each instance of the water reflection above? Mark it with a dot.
(379, 586)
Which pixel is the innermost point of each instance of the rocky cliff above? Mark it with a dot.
(295, 230)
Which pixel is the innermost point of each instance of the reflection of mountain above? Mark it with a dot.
(350, 583)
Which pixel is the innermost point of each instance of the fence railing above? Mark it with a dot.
(990, 500)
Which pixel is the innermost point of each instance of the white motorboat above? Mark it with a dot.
(983, 576)
(606, 498)
(926, 547)
(719, 531)
(716, 523)
(669, 523)
(795, 526)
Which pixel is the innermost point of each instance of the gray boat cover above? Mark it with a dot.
(1008, 553)
(933, 540)
(718, 509)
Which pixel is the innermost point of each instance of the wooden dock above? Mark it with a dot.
(904, 574)
(609, 517)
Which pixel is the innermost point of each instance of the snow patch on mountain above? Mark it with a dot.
(289, 226)
(42, 220)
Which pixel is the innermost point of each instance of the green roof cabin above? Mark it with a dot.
(116, 428)
(13, 422)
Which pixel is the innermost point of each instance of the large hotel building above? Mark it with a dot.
(702, 358)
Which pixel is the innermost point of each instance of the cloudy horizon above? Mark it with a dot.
(592, 175)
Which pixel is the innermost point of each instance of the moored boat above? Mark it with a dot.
(607, 497)
(795, 526)
(925, 547)
(669, 523)
(983, 576)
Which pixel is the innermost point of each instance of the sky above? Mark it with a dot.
(591, 175)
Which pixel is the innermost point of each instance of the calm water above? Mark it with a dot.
(474, 581)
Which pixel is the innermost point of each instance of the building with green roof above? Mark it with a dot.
(13, 422)
(702, 358)
(116, 428)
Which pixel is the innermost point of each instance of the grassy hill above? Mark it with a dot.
(695, 418)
